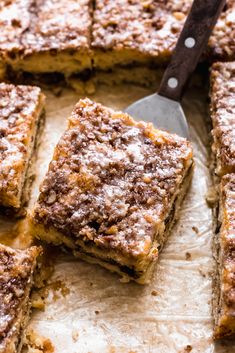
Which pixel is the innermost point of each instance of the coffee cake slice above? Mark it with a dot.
(136, 32)
(145, 32)
(21, 109)
(46, 36)
(224, 282)
(223, 117)
(17, 268)
(113, 190)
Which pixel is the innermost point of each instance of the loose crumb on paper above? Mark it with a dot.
(75, 335)
(195, 229)
(58, 289)
(202, 273)
(34, 343)
(154, 293)
(211, 196)
(188, 256)
(186, 349)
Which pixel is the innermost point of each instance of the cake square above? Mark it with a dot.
(21, 110)
(17, 269)
(46, 36)
(223, 116)
(224, 284)
(145, 32)
(113, 190)
(136, 32)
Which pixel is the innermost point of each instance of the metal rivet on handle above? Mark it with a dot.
(172, 82)
(189, 42)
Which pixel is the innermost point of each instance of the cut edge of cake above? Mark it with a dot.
(223, 252)
(22, 266)
(13, 203)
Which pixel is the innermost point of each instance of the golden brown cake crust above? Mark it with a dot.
(223, 116)
(111, 181)
(16, 268)
(20, 108)
(225, 324)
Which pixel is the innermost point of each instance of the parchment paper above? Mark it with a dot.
(98, 314)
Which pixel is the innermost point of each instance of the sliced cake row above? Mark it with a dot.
(76, 36)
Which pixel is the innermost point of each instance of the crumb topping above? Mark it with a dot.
(222, 41)
(223, 115)
(16, 268)
(152, 27)
(32, 26)
(17, 118)
(111, 181)
(14, 20)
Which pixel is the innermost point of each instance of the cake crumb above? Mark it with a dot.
(202, 273)
(154, 293)
(75, 335)
(59, 286)
(195, 229)
(34, 343)
(112, 349)
(188, 256)
(211, 196)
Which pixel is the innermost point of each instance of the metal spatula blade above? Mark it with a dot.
(163, 112)
(163, 108)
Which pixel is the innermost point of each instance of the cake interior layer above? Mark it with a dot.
(67, 62)
(139, 269)
(107, 59)
(141, 75)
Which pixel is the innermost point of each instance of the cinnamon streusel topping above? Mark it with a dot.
(30, 26)
(152, 27)
(112, 181)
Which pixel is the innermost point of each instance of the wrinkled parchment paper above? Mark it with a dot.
(97, 313)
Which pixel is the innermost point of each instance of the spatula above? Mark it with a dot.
(163, 109)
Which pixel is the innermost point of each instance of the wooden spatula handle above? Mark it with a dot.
(191, 43)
